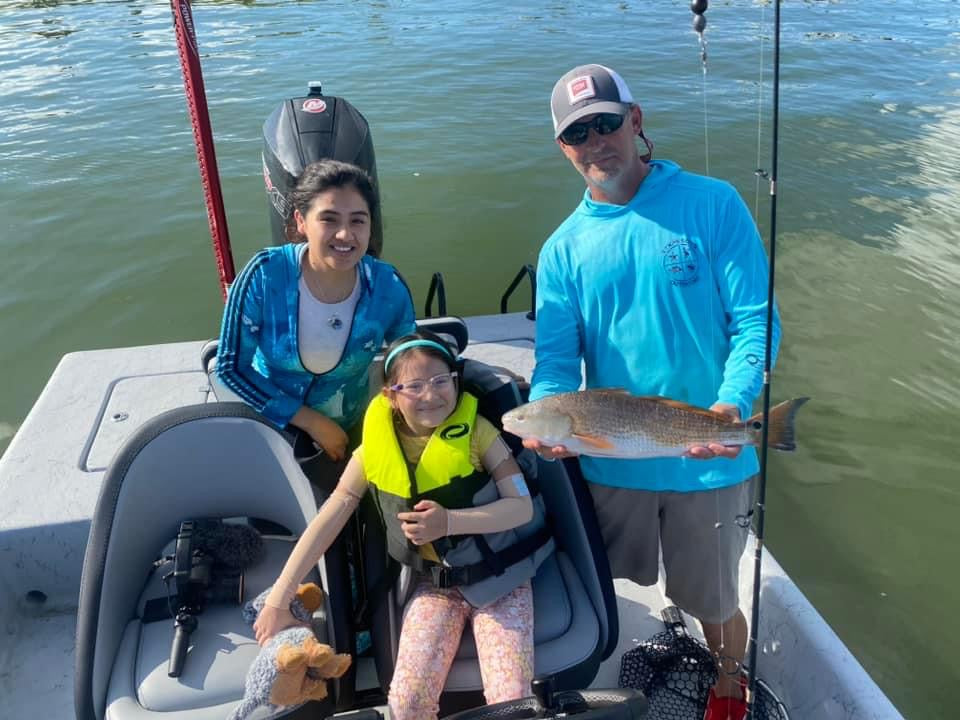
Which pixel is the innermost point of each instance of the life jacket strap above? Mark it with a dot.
(490, 558)
(445, 577)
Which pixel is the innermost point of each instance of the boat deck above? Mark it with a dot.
(50, 478)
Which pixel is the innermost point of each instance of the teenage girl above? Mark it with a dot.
(304, 320)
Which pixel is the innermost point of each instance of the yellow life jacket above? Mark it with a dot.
(446, 456)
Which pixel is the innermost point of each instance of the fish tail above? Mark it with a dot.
(781, 433)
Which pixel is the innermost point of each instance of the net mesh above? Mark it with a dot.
(676, 671)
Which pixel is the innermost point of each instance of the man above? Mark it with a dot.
(657, 283)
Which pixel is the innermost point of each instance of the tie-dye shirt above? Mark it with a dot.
(258, 357)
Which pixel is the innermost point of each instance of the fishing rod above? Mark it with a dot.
(752, 648)
(203, 140)
(699, 7)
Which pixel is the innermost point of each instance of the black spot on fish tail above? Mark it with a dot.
(781, 435)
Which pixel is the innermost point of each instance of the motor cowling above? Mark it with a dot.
(305, 129)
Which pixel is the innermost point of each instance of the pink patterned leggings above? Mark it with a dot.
(430, 637)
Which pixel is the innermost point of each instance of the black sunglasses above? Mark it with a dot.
(604, 124)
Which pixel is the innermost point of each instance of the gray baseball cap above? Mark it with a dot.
(586, 90)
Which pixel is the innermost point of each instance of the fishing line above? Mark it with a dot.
(699, 7)
(760, 172)
(706, 124)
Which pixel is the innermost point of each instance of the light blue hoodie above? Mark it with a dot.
(665, 295)
(259, 354)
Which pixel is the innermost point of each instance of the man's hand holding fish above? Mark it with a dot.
(712, 450)
(548, 452)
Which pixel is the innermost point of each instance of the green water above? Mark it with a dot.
(104, 239)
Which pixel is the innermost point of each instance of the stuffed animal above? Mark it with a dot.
(309, 597)
(292, 667)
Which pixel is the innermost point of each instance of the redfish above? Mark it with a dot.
(614, 423)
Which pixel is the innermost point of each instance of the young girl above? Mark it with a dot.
(445, 483)
(304, 320)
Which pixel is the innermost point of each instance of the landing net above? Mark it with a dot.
(675, 671)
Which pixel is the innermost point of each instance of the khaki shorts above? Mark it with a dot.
(701, 536)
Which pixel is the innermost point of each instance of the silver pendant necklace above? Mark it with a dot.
(318, 292)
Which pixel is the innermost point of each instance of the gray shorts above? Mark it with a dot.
(700, 534)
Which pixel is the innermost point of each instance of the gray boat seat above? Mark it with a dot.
(217, 460)
(575, 615)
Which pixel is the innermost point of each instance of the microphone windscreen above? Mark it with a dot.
(235, 545)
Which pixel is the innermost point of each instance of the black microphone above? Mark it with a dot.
(209, 560)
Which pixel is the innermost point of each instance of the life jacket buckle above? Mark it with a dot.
(445, 578)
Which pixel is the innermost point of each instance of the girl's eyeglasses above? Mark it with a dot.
(416, 388)
(604, 124)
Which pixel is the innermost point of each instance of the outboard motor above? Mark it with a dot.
(303, 130)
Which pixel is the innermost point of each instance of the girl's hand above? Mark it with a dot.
(323, 431)
(427, 523)
(330, 436)
(272, 620)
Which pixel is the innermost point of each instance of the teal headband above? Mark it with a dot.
(412, 344)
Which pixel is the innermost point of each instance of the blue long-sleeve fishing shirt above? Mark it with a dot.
(666, 295)
(258, 357)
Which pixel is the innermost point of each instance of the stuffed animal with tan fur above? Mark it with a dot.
(292, 667)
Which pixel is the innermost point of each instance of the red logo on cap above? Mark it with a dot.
(313, 105)
(581, 88)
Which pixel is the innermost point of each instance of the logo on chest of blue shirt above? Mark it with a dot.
(681, 262)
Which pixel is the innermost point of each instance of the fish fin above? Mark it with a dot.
(594, 441)
(781, 433)
(687, 407)
(619, 390)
